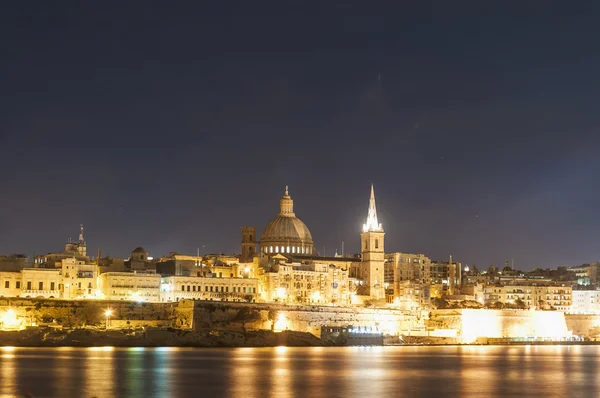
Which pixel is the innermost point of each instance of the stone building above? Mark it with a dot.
(10, 283)
(446, 275)
(175, 288)
(140, 261)
(41, 283)
(14, 262)
(309, 283)
(78, 279)
(400, 267)
(131, 286)
(585, 301)
(552, 296)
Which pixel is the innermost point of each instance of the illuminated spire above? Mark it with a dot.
(81, 241)
(372, 223)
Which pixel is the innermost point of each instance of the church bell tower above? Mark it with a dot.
(373, 254)
(248, 244)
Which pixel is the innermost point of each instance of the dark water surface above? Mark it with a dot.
(557, 371)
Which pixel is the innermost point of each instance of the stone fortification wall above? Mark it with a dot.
(241, 316)
(584, 325)
(78, 313)
(473, 323)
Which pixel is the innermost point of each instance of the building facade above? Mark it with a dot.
(313, 283)
(175, 288)
(79, 280)
(131, 286)
(402, 267)
(586, 301)
(557, 297)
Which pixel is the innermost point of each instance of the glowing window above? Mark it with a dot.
(293, 249)
(288, 249)
(276, 249)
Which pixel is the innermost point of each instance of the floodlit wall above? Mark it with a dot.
(473, 323)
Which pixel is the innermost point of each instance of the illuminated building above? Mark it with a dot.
(586, 274)
(402, 267)
(411, 296)
(292, 270)
(447, 275)
(585, 301)
(313, 283)
(78, 279)
(40, 283)
(10, 284)
(286, 233)
(541, 297)
(175, 288)
(132, 286)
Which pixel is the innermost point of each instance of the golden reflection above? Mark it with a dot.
(99, 372)
(281, 378)
(63, 373)
(244, 373)
(8, 366)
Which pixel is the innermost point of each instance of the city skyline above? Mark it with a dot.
(171, 128)
(202, 250)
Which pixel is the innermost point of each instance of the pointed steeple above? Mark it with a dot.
(372, 223)
(81, 240)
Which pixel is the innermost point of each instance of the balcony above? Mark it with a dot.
(40, 293)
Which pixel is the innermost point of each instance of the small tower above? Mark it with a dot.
(373, 254)
(81, 247)
(248, 244)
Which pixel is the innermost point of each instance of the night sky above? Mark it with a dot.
(170, 127)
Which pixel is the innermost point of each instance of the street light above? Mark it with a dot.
(108, 313)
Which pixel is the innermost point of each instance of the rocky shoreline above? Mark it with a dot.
(155, 337)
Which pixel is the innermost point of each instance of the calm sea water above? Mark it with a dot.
(557, 371)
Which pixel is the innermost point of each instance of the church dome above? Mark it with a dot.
(286, 233)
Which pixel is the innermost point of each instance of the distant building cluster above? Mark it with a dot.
(282, 265)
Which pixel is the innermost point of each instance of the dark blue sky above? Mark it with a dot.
(170, 127)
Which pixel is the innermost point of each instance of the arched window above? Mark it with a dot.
(250, 238)
(293, 249)
(376, 243)
(276, 249)
(282, 249)
(288, 249)
(271, 249)
(366, 245)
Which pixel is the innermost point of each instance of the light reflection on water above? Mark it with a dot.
(473, 372)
